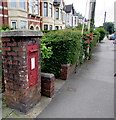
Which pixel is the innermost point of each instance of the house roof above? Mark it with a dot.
(74, 13)
(80, 16)
(68, 8)
(57, 2)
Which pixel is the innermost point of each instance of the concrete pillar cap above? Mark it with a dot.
(21, 33)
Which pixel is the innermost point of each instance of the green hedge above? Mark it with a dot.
(102, 32)
(68, 47)
(65, 47)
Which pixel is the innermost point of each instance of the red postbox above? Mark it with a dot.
(32, 64)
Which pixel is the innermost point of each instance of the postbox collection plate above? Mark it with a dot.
(32, 64)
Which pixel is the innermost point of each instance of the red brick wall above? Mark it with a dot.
(3, 20)
(17, 91)
(33, 22)
(66, 71)
(47, 84)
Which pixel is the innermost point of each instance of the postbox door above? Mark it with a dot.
(32, 64)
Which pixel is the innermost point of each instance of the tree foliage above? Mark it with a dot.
(102, 32)
(109, 27)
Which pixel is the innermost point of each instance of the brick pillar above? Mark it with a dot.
(47, 84)
(64, 72)
(22, 71)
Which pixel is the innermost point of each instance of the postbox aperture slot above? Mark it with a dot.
(33, 50)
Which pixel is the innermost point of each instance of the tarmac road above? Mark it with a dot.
(90, 92)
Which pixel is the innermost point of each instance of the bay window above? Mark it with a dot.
(45, 9)
(57, 13)
(22, 4)
(13, 3)
(31, 6)
(50, 10)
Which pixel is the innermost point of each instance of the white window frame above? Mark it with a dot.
(31, 6)
(61, 14)
(45, 9)
(36, 7)
(46, 25)
(12, 24)
(51, 26)
(57, 13)
(50, 7)
(23, 22)
(56, 27)
(37, 27)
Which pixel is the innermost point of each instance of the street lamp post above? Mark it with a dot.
(91, 13)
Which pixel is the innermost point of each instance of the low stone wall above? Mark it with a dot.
(66, 71)
(47, 84)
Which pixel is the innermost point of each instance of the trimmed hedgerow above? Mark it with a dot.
(102, 32)
(68, 47)
(65, 47)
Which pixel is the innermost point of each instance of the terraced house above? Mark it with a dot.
(37, 14)
(60, 14)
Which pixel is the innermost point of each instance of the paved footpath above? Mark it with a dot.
(90, 92)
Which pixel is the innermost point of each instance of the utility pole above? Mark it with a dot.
(105, 17)
(91, 13)
(104, 20)
(84, 18)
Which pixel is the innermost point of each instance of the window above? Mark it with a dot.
(22, 4)
(36, 10)
(50, 27)
(31, 6)
(23, 24)
(61, 14)
(68, 18)
(13, 3)
(14, 24)
(61, 27)
(50, 10)
(57, 13)
(31, 28)
(45, 27)
(75, 20)
(45, 9)
(36, 7)
(37, 28)
(57, 27)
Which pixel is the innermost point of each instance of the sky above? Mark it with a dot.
(101, 7)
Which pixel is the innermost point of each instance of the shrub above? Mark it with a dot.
(65, 47)
(89, 42)
(5, 28)
(102, 33)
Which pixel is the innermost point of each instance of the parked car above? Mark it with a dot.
(112, 36)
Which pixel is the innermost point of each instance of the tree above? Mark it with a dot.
(109, 27)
